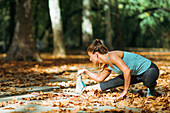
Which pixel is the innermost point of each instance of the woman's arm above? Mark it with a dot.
(98, 77)
(117, 60)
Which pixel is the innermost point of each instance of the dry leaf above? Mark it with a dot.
(29, 108)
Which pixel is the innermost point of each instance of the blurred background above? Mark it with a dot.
(29, 27)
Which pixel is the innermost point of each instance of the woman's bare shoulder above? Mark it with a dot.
(116, 53)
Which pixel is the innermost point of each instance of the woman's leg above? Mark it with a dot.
(149, 79)
(93, 87)
(115, 82)
(118, 81)
(150, 76)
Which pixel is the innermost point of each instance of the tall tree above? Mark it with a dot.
(23, 46)
(58, 37)
(12, 21)
(87, 30)
(109, 31)
(119, 39)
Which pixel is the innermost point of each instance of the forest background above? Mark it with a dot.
(58, 26)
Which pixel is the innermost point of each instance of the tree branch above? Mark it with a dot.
(148, 10)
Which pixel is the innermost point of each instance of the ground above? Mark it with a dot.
(49, 87)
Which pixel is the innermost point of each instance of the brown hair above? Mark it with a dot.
(97, 46)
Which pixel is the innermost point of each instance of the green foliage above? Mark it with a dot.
(144, 23)
(4, 21)
(72, 19)
(41, 19)
(152, 15)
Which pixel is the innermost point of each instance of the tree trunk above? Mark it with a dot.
(119, 40)
(36, 19)
(135, 34)
(58, 37)
(87, 30)
(109, 31)
(23, 46)
(12, 22)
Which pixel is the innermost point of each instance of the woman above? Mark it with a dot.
(132, 68)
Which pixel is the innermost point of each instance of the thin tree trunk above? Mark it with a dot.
(135, 34)
(87, 30)
(23, 46)
(119, 40)
(109, 31)
(12, 22)
(36, 19)
(58, 37)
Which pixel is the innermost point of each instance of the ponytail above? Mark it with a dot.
(97, 46)
(97, 41)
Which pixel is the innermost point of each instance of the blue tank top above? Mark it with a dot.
(136, 63)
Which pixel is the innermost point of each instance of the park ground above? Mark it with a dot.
(49, 87)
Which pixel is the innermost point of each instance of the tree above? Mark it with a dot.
(12, 21)
(109, 31)
(87, 31)
(119, 40)
(58, 37)
(23, 46)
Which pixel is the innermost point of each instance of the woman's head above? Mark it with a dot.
(97, 46)
(94, 51)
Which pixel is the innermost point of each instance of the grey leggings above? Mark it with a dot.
(148, 78)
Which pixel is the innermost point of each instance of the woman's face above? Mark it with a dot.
(93, 57)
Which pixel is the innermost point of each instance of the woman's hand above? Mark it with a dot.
(81, 71)
(121, 96)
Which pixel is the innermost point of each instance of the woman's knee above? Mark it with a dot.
(150, 77)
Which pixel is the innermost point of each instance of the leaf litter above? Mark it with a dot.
(18, 77)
